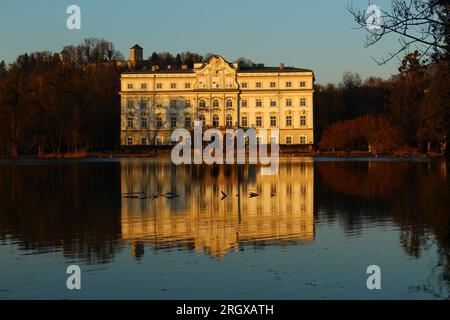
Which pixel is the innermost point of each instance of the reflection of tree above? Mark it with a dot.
(66, 207)
(414, 195)
(365, 179)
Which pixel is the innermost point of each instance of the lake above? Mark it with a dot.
(146, 229)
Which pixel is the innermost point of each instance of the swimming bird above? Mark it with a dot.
(170, 195)
(253, 194)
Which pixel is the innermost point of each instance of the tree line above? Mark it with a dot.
(406, 112)
(69, 103)
(59, 103)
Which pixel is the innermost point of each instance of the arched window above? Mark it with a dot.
(202, 104)
(229, 103)
(215, 103)
(215, 120)
(229, 120)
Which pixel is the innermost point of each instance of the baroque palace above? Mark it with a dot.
(219, 94)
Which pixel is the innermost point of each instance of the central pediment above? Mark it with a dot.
(216, 73)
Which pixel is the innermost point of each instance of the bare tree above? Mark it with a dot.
(421, 24)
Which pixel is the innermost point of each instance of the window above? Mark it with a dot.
(302, 102)
(143, 86)
(173, 86)
(144, 123)
(273, 103)
(288, 84)
(187, 122)
(130, 122)
(144, 141)
(159, 86)
(187, 103)
(215, 121)
(202, 119)
(187, 85)
(273, 121)
(288, 121)
(273, 84)
(143, 104)
(302, 121)
(244, 85)
(130, 103)
(288, 102)
(173, 103)
(130, 141)
(288, 140)
(130, 86)
(229, 120)
(302, 140)
(258, 85)
(159, 140)
(244, 103)
(258, 102)
(173, 121)
(258, 121)
(302, 84)
(244, 121)
(159, 122)
(229, 103)
(215, 103)
(202, 104)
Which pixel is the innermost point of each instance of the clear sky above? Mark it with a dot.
(314, 34)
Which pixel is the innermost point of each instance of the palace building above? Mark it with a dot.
(221, 95)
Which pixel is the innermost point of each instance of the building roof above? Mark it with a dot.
(240, 70)
(136, 46)
(271, 69)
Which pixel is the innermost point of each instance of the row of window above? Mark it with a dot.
(244, 85)
(144, 86)
(273, 84)
(216, 103)
(273, 121)
(215, 121)
(160, 140)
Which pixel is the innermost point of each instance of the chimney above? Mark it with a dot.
(281, 66)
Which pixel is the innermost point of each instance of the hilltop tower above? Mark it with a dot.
(136, 55)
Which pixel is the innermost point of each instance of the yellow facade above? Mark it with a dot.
(221, 95)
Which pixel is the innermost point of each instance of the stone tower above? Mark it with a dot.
(136, 55)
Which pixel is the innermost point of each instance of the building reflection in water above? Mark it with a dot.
(199, 219)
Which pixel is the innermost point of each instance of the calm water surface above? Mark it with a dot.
(310, 234)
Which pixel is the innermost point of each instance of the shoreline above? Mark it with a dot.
(167, 153)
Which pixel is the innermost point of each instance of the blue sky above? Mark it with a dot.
(315, 34)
